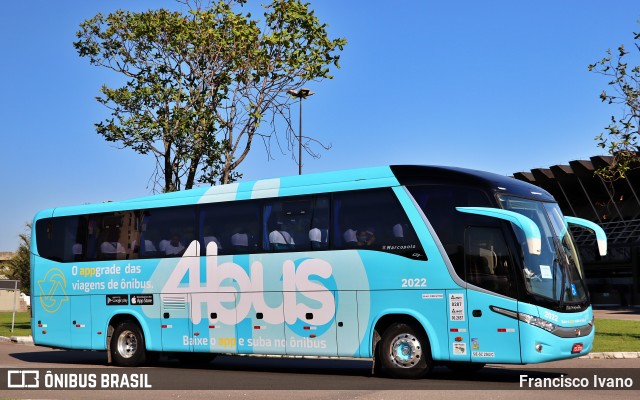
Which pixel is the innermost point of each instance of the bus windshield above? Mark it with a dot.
(556, 273)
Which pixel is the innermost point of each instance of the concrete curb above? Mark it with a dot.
(17, 339)
(619, 355)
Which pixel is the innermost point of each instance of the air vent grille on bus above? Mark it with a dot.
(174, 302)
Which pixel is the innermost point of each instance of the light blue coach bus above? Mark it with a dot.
(409, 265)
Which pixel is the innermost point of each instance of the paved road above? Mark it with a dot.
(278, 379)
(275, 378)
(629, 314)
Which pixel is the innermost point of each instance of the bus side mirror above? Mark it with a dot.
(601, 237)
(530, 229)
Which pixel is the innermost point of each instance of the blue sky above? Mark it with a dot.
(496, 85)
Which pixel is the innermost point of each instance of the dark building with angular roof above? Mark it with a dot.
(613, 280)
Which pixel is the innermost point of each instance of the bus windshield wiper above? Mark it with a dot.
(562, 262)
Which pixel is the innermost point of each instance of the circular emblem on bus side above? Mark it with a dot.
(53, 289)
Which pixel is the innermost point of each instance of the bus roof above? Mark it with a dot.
(423, 174)
(353, 179)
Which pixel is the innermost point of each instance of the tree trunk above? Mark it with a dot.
(193, 169)
(168, 170)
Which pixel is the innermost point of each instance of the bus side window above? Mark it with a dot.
(439, 202)
(487, 260)
(277, 228)
(168, 231)
(62, 239)
(113, 236)
(319, 232)
(287, 224)
(373, 220)
(357, 219)
(233, 226)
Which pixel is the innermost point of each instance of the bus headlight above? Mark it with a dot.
(539, 322)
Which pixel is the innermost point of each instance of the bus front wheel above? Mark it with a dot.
(404, 352)
(127, 345)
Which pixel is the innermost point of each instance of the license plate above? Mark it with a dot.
(577, 348)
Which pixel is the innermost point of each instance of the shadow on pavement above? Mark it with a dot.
(64, 359)
(267, 372)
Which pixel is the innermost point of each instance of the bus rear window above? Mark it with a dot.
(61, 239)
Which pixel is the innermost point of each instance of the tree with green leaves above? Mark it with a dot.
(201, 86)
(19, 266)
(620, 137)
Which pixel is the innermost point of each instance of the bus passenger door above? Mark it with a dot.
(175, 322)
(80, 316)
(491, 297)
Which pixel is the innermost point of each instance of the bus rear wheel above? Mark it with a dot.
(404, 352)
(127, 345)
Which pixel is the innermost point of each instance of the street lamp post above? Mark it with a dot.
(302, 93)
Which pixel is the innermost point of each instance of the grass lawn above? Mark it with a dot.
(21, 327)
(616, 335)
(611, 334)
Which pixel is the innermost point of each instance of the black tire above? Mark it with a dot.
(404, 352)
(127, 345)
(465, 367)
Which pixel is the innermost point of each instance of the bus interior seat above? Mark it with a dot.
(318, 238)
(281, 240)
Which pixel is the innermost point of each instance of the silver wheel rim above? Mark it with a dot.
(127, 344)
(405, 351)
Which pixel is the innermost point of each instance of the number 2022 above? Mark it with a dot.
(414, 282)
